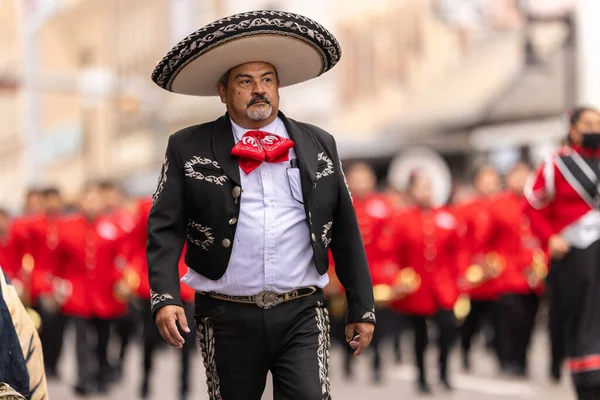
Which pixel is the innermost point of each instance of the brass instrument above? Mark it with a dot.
(127, 285)
(407, 282)
(462, 307)
(492, 267)
(538, 270)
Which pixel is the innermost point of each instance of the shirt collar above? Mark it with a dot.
(238, 131)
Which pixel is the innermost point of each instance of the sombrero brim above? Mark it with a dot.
(299, 48)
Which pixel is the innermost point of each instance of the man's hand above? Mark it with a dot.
(166, 319)
(558, 246)
(363, 339)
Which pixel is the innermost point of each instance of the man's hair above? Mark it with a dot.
(224, 81)
(51, 191)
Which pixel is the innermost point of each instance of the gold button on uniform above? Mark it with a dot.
(226, 243)
(313, 237)
(232, 221)
(236, 192)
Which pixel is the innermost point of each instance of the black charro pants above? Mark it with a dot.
(446, 325)
(152, 342)
(517, 314)
(240, 343)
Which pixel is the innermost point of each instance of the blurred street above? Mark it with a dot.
(482, 383)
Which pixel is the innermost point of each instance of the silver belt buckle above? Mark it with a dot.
(267, 299)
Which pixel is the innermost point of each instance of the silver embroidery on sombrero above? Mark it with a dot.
(325, 236)
(156, 298)
(205, 238)
(192, 172)
(328, 170)
(192, 46)
(206, 340)
(324, 344)
(162, 179)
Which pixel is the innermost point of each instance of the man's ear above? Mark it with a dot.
(222, 92)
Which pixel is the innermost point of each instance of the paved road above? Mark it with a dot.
(483, 383)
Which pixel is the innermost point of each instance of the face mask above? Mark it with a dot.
(591, 140)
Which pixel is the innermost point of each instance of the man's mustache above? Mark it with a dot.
(257, 98)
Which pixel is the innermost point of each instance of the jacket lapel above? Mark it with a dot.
(222, 142)
(306, 151)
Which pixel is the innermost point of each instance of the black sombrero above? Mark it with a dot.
(298, 47)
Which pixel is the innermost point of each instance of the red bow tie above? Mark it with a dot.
(258, 146)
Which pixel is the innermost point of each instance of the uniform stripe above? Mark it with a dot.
(584, 364)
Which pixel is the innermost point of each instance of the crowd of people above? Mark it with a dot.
(477, 264)
(85, 266)
(485, 261)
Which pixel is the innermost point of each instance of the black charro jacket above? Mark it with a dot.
(198, 199)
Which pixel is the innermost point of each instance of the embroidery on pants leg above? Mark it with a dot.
(206, 340)
(324, 338)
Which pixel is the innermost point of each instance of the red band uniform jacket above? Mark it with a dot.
(86, 260)
(426, 241)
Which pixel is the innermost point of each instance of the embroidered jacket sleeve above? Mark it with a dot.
(539, 193)
(166, 232)
(349, 253)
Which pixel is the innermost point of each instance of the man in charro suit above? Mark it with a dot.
(259, 199)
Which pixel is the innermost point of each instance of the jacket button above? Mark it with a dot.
(232, 221)
(236, 192)
(314, 185)
(226, 243)
(313, 237)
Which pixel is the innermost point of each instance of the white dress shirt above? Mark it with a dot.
(271, 249)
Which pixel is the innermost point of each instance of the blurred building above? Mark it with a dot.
(13, 172)
(455, 75)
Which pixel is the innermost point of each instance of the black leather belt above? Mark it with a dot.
(265, 299)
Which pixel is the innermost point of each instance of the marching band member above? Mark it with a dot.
(151, 335)
(522, 279)
(85, 261)
(423, 244)
(43, 240)
(372, 212)
(563, 202)
(116, 211)
(478, 254)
